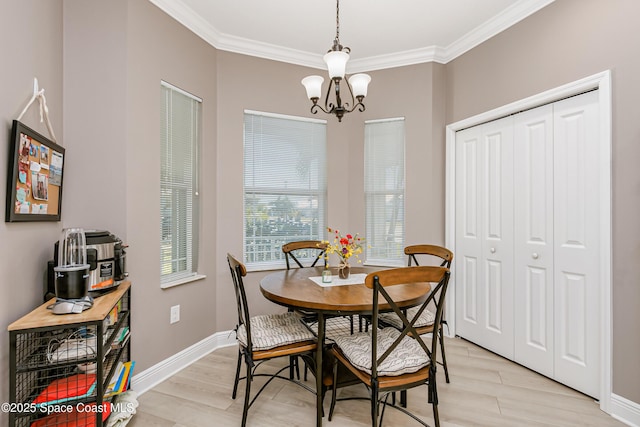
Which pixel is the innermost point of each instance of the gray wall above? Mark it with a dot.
(31, 33)
(115, 54)
(564, 42)
(160, 49)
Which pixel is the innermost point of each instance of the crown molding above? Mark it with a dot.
(398, 59)
(510, 16)
(507, 18)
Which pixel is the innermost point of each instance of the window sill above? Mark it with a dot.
(183, 281)
(265, 267)
(382, 263)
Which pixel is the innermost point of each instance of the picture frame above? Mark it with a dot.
(34, 184)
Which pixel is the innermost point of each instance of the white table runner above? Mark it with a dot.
(354, 279)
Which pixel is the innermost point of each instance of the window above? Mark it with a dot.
(284, 185)
(180, 142)
(384, 191)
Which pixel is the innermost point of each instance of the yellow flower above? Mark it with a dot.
(345, 246)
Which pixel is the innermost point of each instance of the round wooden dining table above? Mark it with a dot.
(295, 289)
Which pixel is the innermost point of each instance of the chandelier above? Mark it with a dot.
(336, 59)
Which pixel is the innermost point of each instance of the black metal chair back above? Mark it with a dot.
(402, 372)
(446, 257)
(238, 271)
(401, 276)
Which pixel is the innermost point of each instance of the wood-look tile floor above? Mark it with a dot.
(485, 390)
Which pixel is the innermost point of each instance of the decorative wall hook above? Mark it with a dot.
(44, 110)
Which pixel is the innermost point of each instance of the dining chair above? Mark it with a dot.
(387, 360)
(298, 252)
(265, 337)
(424, 325)
(305, 249)
(309, 249)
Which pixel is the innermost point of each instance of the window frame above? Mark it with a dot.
(320, 194)
(185, 232)
(369, 259)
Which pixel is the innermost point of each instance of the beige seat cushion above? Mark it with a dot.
(275, 330)
(426, 318)
(406, 358)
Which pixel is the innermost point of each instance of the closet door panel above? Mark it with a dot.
(536, 317)
(533, 249)
(576, 239)
(484, 238)
(468, 242)
(497, 235)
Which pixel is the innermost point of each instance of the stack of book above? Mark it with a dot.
(120, 379)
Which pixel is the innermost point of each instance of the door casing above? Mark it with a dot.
(602, 82)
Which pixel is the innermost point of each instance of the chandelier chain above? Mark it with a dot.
(338, 20)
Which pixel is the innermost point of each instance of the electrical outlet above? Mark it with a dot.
(175, 314)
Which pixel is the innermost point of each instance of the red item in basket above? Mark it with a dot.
(82, 415)
(65, 389)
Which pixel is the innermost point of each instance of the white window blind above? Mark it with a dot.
(384, 191)
(284, 185)
(179, 146)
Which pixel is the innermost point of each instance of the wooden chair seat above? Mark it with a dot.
(285, 350)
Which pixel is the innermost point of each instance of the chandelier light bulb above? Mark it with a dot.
(313, 85)
(336, 61)
(359, 84)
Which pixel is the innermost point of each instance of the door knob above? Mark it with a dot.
(493, 250)
(535, 255)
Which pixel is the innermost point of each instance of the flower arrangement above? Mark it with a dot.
(345, 247)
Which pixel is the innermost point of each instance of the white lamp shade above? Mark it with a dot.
(336, 61)
(359, 84)
(313, 85)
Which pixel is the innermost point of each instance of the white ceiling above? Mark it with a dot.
(380, 33)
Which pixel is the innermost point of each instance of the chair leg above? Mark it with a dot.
(245, 409)
(403, 398)
(334, 389)
(235, 384)
(374, 406)
(294, 368)
(432, 390)
(444, 357)
(436, 418)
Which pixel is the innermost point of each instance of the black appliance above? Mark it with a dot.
(106, 257)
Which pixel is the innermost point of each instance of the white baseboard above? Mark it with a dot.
(159, 372)
(625, 410)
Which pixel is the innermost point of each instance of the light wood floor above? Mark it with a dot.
(485, 390)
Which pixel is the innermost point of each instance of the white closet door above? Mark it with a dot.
(576, 208)
(497, 235)
(534, 257)
(468, 234)
(484, 266)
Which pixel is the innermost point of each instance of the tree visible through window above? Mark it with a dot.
(284, 184)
